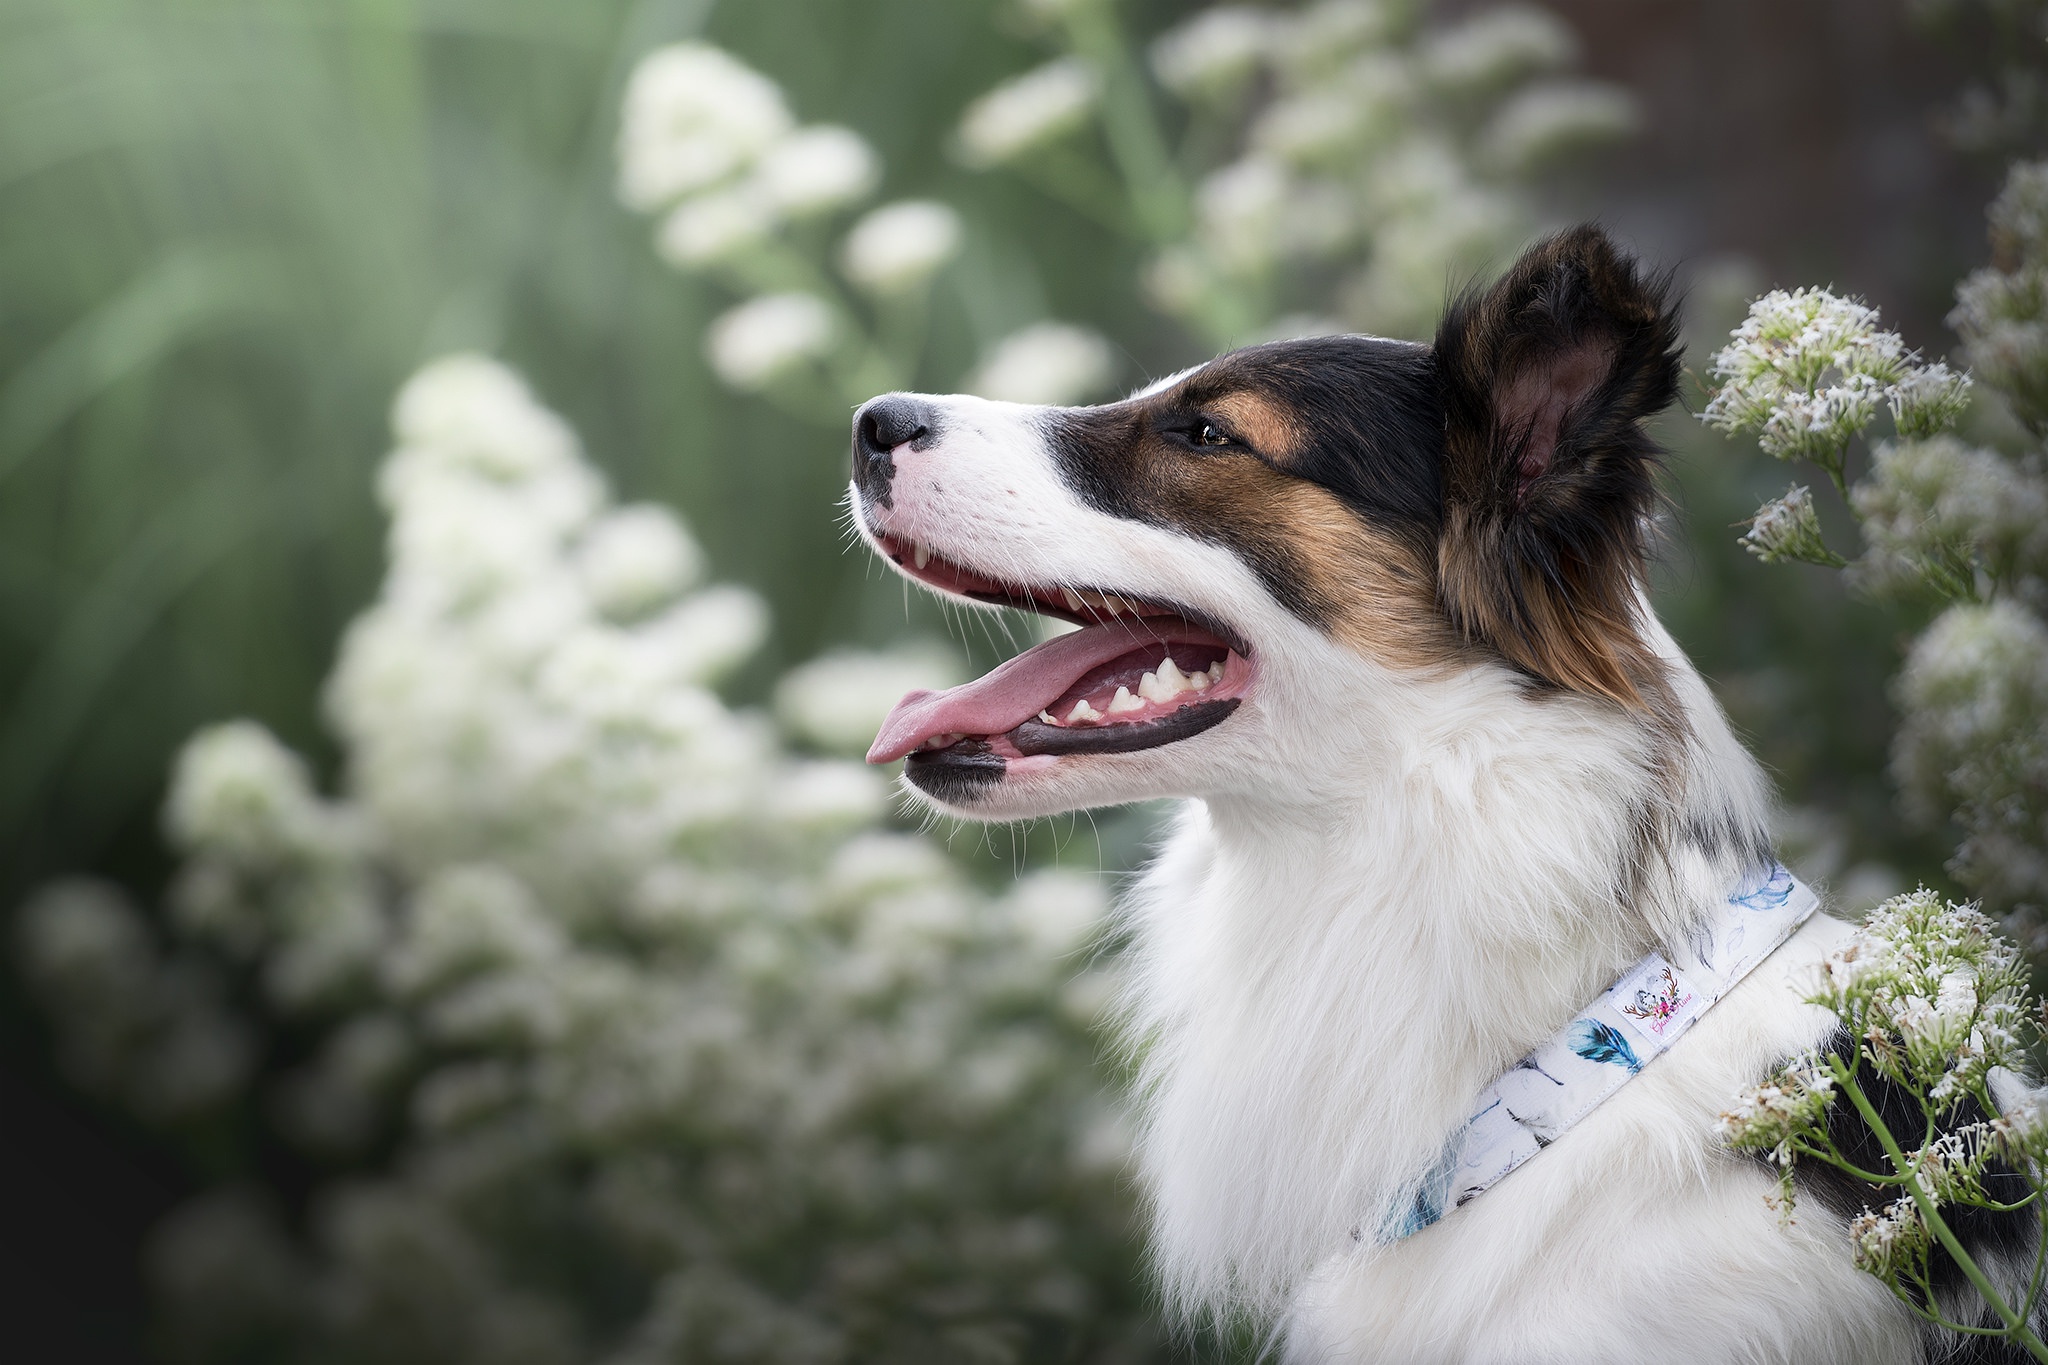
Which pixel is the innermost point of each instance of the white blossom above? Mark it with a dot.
(1027, 111)
(1046, 363)
(1214, 51)
(756, 343)
(1807, 370)
(1788, 529)
(1241, 208)
(816, 169)
(1929, 399)
(1892, 1243)
(693, 115)
(1973, 743)
(1497, 46)
(636, 558)
(475, 415)
(1941, 508)
(899, 246)
(715, 228)
(838, 702)
(1553, 119)
(240, 793)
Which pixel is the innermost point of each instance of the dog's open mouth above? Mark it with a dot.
(1138, 674)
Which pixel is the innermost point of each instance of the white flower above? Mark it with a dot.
(1939, 506)
(467, 918)
(1327, 124)
(838, 702)
(813, 794)
(1046, 363)
(475, 414)
(1891, 1243)
(899, 246)
(1804, 372)
(1768, 1115)
(1324, 36)
(693, 115)
(636, 558)
(1929, 399)
(715, 228)
(756, 343)
(1973, 746)
(1553, 119)
(1027, 111)
(1214, 51)
(1056, 910)
(1789, 529)
(1499, 46)
(818, 168)
(238, 793)
(713, 630)
(1240, 208)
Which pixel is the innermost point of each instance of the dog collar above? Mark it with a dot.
(1602, 1049)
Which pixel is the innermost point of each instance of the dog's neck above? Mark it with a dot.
(1322, 985)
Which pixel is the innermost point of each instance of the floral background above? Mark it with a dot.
(446, 917)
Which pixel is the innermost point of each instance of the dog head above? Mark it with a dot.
(1262, 552)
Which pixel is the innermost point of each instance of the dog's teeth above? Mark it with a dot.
(1170, 676)
(1046, 716)
(1199, 680)
(1123, 701)
(1074, 601)
(1216, 671)
(941, 741)
(921, 554)
(1152, 689)
(1083, 711)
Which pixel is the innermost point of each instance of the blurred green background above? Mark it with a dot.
(230, 228)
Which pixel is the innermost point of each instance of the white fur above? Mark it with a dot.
(1387, 886)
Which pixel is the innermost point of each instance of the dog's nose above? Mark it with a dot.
(878, 428)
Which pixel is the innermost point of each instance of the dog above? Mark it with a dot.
(1376, 610)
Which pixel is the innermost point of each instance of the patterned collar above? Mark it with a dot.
(1602, 1049)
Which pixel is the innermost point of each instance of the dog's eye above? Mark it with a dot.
(1207, 435)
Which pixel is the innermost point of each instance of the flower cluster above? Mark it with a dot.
(1934, 1002)
(709, 144)
(1973, 745)
(1366, 158)
(1968, 522)
(1807, 371)
(2002, 310)
(606, 1026)
(1789, 530)
(1941, 510)
(1935, 996)
(1769, 1115)
(1891, 1245)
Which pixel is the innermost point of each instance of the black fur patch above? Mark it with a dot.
(1991, 1238)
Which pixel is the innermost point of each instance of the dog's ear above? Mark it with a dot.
(1548, 477)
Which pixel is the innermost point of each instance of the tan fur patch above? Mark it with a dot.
(1370, 590)
(1260, 424)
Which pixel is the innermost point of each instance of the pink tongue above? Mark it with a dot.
(1016, 691)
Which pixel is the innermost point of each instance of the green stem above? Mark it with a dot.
(1158, 197)
(2015, 1324)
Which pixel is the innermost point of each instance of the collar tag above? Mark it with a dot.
(1644, 1012)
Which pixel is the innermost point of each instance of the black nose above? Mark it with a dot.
(878, 428)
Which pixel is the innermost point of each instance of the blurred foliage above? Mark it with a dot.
(235, 225)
